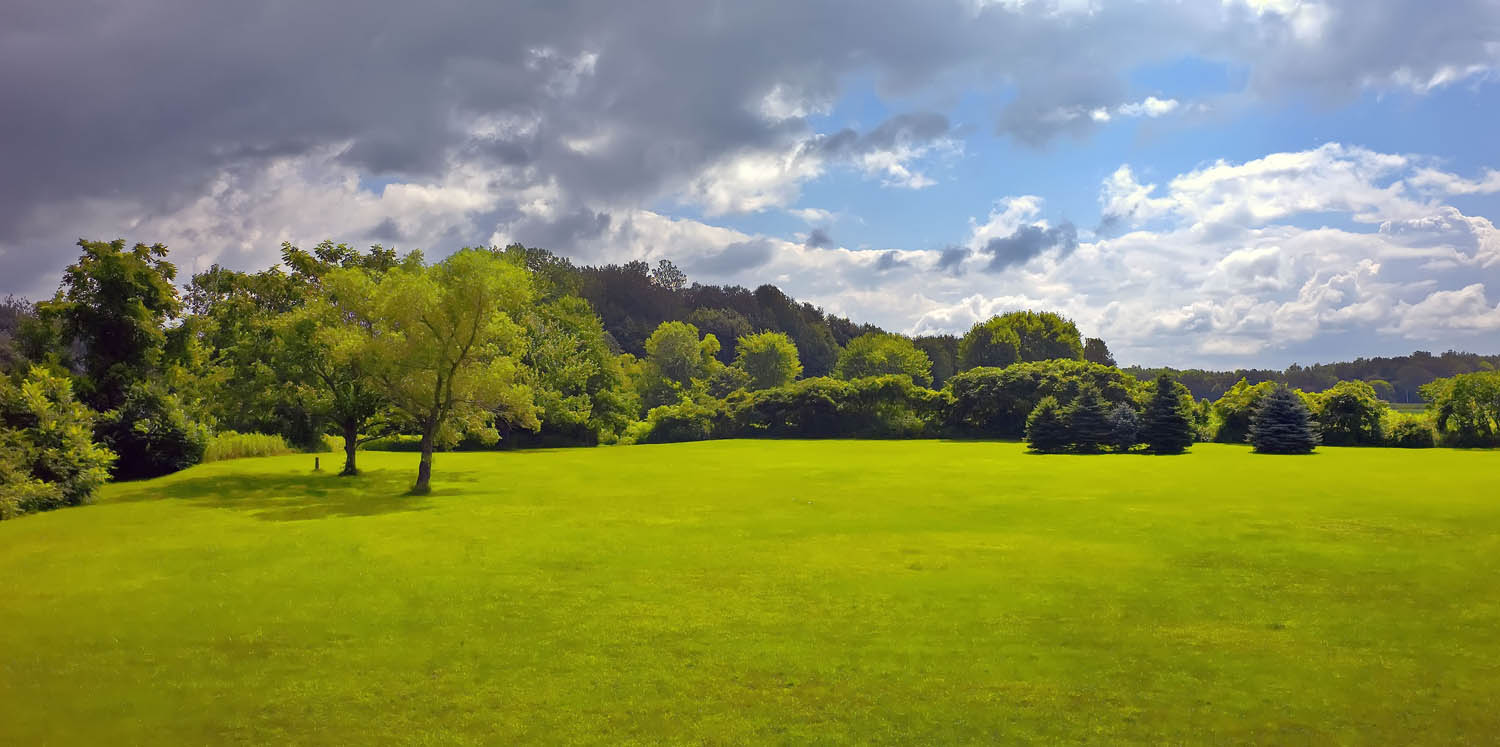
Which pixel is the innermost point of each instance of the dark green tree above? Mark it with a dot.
(1095, 351)
(114, 304)
(1124, 427)
(989, 344)
(1282, 425)
(769, 359)
(1349, 414)
(1168, 424)
(1088, 419)
(1047, 429)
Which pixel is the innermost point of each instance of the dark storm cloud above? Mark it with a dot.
(1029, 242)
(117, 112)
(818, 238)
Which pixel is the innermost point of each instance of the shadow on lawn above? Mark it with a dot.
(302, 497)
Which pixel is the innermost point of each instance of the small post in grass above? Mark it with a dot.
(316, 468)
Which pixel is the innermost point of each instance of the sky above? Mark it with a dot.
(1212, 183)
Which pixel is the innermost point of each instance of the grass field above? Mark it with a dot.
(767, 591)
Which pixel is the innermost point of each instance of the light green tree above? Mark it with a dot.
(768, 358)
(878, 354)
(442, 343)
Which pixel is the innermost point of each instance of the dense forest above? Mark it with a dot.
(127, 373)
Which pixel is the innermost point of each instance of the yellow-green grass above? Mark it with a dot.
(767, 591)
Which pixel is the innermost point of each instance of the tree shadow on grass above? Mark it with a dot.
(301, 497)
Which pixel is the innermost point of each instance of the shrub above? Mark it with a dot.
(1047, 429)
(684, 421)
(1349, 414)
(1411, 433)
(995, 402)
(810, 408)
(47, 456)
(151, 434)
(1466, 408)
(233, 445)
(1282, 425)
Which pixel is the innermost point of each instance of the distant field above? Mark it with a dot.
(912, 592)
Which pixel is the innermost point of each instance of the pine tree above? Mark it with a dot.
(1047, 427)
(1282, 425)
(1088, 418)
(1168, 427)
(1124, 427)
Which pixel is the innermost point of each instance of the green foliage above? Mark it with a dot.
(151, 434)
(677, 354)
(581, 390)
(47, 455)
(769, 360)
(1349, 414)
(1124, 427)
(1095, 351)
(1411, 432)
(1282, 424)
(727, 325)
(234, 445)
(1167, 427)
(1088, 419)
(442, 343)
(1047, 428)
(1466, 408)
(942, 350)
(1236, 408)
(995, 403)
(873, 407)
(989, 344)
(685, 421)
(113, 303)
(880, 354)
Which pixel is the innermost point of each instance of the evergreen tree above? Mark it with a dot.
(1124, 427)
(1047, 427)
(1282, 425)
(1168, 427)
(1088, 419)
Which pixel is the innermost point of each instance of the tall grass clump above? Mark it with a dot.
(235, 445)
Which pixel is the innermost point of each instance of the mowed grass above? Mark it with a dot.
(772, 591)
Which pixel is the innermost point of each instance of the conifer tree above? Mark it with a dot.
(1088, 419)
(1282, 425)
(1124, 427)
(1047, 427)
(1168, 427)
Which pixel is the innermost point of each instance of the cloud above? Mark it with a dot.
(818, 238)
(1028, 243)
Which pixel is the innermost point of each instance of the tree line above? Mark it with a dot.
(124, 375)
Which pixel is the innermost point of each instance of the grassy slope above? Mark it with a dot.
(777, 591)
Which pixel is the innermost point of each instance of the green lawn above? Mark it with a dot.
(785, 591)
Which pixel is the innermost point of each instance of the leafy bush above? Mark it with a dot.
(1411, 433)
(995, 402)
(1349, 414)
(1466, 408)
(234, 445)
(150, 434)
(684, 421)
(47, 456)
(889, 406)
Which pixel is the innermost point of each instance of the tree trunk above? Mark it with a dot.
(351, 442)
(424, 468)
